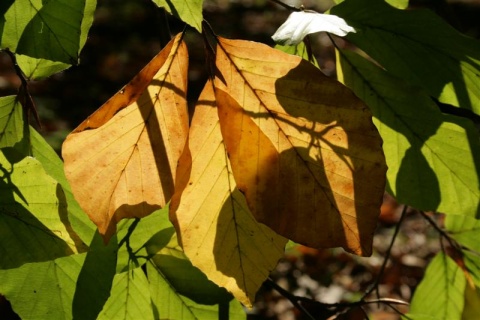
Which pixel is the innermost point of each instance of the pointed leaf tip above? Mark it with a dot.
(300, 24)
(121, 161)
(218, 232)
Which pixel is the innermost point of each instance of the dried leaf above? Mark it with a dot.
(121, 161)
(320, 178)
(216, 229)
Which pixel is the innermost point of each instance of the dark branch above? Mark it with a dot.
(387, 256)
(286, 6)
(23, 92)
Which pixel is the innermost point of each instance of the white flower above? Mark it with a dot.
(301, 23)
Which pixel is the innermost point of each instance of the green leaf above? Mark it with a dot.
(430, 155)
(53, 165)
(418, 316)
(134, 234)
(50, 33)
(189, 12)
(18, 137)
(11, 123)
(94, 282)
(440, 294)
(45, 290)
(418, 46)
(129, 298)
(42, 290)
(34, 223)
(298, 50)
(38, 69)
(170, 304)
(465, 230)
(185, 279)
(399, 4)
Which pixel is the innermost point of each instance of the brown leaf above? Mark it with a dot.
(215, 227)
(309, 161)
(121, 161)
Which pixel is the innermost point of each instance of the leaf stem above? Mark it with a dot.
(453, 243)
(291, 297)
(23, 92)
(387, 257)
(331, 309)
(286, 6)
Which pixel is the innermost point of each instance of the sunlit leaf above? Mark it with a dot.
(11, 124)
(94, 282)
(47, 290)
(34, 222)
(400, 4)
(302, 23)
(217, 231)
(188, 11)
(472, 303)
(303, 148)
(170, 304)
(184, 279)
(429, 154)
(53, 166)
(440, 294)
(418, 46)
(121, 161)
(155, 229)
(38, 69)
(465, 230)
(48, 34)
(130, 297)
(27, 141)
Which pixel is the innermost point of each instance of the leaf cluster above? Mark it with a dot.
(154, 216)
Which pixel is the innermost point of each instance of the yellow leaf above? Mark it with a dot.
(216, 229)
(317, 175)
(121, 161)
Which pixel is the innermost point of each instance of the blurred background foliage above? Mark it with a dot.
(126, 34)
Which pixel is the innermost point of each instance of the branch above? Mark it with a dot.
(387, 256)
(453, 243)
(286, 6)
(330, 309)
(23, 92)
(291, 297)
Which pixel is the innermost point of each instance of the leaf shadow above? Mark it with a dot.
(300, 86)
(158, 144)
(38, 39)
(24, 237)
(95, 279)
(437, 64)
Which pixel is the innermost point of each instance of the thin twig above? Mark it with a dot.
(453, 243)
(24, 93)
(387, 256)
(292, 298)
(286, 6)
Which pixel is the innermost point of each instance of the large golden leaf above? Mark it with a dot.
(216, 229)
(319, 175)
(121, 161)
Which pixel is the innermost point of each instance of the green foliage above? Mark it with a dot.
(419, 47)
(50, 33)
(188, 11)
(430, 155)
(54, 265)
(28, 198)
(440, 295)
